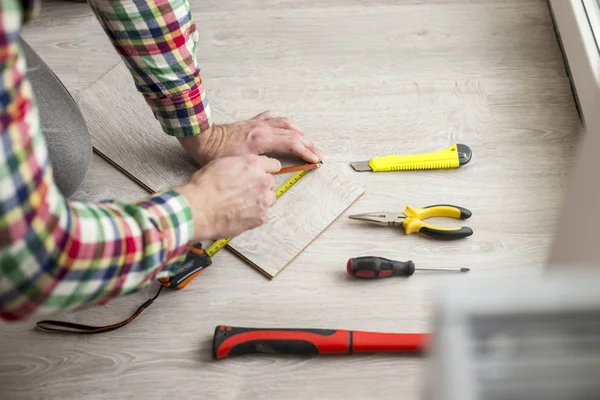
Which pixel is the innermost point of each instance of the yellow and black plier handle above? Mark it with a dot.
(412, 220)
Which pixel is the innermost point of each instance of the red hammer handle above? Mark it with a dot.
(233, 341)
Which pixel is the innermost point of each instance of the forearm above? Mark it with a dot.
(76, 253)
(56, 254)
(162, 60)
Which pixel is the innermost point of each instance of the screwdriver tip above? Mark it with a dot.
(465, 269)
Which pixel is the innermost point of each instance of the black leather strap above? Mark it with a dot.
(71, 327)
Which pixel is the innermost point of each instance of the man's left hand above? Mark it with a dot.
(262, 134)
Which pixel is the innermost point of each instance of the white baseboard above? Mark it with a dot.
(576, 21)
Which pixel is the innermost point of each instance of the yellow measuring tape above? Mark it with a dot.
(287, 185)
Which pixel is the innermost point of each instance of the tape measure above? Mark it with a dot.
(196, 261)
(287, 185)
(199, 259)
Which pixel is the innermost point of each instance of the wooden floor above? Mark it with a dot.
(362, 78)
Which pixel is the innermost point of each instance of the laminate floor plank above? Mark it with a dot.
(159, 162)
(202, 7)
(105, 182)
(297, 219)
(123, 128)
(363, 78)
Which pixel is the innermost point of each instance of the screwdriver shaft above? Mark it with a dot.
(444, 269)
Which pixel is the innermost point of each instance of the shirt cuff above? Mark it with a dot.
(185, 114)
(171, 215)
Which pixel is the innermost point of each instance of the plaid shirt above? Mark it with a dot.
(57, 254)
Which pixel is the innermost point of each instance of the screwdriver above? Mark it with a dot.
(378, 267)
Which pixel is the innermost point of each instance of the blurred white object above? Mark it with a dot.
(528, 338)
(518, 339)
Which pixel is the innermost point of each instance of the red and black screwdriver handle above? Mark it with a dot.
(378, 267)
(235, 341)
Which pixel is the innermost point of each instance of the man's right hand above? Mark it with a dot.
(265, 133)
(231, 195)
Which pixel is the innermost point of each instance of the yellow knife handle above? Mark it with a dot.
(452, 157)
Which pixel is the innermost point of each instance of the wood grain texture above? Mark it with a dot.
(362, 78)
(117, 185)
(404, 42)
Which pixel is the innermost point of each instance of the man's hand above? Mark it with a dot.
(262, 134)
(231, 195)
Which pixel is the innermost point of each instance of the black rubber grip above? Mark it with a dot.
(274, 347)
(370, 267)
(447, 234)
(234, 341)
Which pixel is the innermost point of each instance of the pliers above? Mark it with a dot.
(411, 220)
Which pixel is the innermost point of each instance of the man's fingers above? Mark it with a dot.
(283, 123)
(312, 147)
(293, 142)
(270, 165)
(265, 115)
(271, 198)
(305, 141)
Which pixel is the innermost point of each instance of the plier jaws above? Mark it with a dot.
(382, 218)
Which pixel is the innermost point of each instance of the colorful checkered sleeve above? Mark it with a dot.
(157, 40)
(57, 254)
